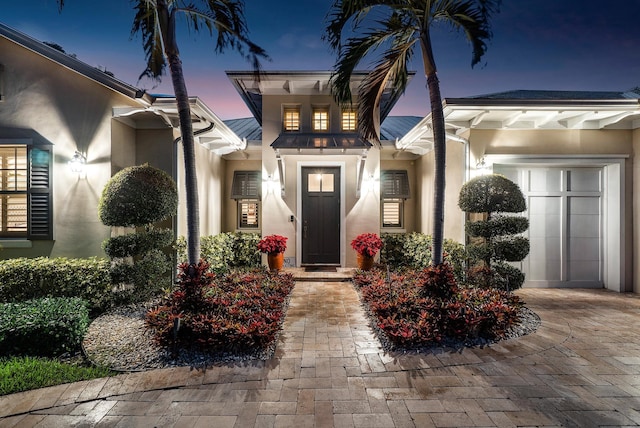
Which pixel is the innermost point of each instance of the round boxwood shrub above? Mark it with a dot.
(491, 193)
(138, 195)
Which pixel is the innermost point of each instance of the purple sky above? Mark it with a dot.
(537, 44)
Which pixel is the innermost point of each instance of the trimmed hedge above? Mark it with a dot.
(225, 250)
(43, 327)
(133, 244)
(23, 279)
(413, 250)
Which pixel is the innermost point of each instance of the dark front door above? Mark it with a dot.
(321, 215)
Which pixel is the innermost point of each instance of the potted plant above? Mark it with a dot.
(274, 246)
(366, 245)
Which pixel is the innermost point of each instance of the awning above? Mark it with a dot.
(319, 143)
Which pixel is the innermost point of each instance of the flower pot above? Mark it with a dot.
(364, 262)
(275, 260)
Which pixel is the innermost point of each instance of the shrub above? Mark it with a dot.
(413, 250)
(137, 243)
(239, 311)
(137, 196)
(23, 279)
(495, 241)
(425, 307)
(43, 327)
(225, 250)
(367, 244)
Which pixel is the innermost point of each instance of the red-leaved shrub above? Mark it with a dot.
(240, 311)
(419, 308)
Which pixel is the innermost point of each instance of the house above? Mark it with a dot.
(298, 167)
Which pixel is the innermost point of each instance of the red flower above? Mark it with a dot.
(273, 244)
(367, 244)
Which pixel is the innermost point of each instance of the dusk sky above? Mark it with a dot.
(537, 44)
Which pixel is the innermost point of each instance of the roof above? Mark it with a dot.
(72, 63)
(558, 95)
(320, 141)
(396, 127)
(246, 128)
(296, 83)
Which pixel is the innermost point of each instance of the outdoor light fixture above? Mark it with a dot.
(78, 162)
(482, 167)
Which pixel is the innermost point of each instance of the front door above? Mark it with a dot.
(320, 215)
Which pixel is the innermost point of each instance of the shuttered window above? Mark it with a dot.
(394, 189)
(246, 190)
(394, 184)
(25, 192)
(246, 185)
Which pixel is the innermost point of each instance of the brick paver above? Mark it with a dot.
(580, 369)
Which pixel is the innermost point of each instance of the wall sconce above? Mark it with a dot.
(77, 163)
(371, 185)
(481, 166)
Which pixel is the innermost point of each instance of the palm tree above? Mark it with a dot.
(396, 27)
(155, 20)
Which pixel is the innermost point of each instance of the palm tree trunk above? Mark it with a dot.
(440, 155)
(188, 147)
(168, 25)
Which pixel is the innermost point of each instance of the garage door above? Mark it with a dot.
(564, 207)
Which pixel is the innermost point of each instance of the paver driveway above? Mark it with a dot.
(581, 368)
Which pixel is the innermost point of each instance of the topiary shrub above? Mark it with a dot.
(43, 327)
(138, 196)
(495, 243)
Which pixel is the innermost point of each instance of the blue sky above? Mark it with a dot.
(537, 44)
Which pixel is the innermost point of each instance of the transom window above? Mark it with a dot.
(291, 119)
(321, 119)
(349, 120)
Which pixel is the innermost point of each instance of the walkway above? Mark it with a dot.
(580, 369)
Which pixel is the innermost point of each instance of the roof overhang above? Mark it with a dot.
(464, 114)
(252, 87)
(320, 144)
(210, 131)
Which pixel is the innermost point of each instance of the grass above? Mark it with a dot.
(25, 373)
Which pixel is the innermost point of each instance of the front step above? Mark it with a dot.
(302, 274)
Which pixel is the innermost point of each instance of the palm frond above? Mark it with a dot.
(146, 23)
(389, 74)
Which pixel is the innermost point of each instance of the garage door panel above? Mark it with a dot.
(541, 226)
(584, 205)
(545, 180)
(584, 271)
(584, 249)
(544, 270)
(544, 248)
(584, 180)
(544, 205)
(584, 226)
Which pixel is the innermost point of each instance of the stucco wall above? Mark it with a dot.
(72, 113)
(635, 230)
(210, 174)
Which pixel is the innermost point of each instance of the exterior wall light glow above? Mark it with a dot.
(77, 163)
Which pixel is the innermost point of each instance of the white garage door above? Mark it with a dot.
(564, 206)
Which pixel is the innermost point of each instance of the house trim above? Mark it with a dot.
(343, 190)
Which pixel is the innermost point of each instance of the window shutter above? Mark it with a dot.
(40, 212)
(394, 184)
(246, 185)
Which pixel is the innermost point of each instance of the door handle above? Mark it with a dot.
(304, 230)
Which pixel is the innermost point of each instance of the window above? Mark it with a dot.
(320, 118)
(291, 119)
(393, 192)
(246, 190)
(248, 214)
(24, 192)
(349, 120)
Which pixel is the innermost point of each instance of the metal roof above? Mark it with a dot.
(396, 127)
(555, 95)
(247, 127)
(320, 141)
